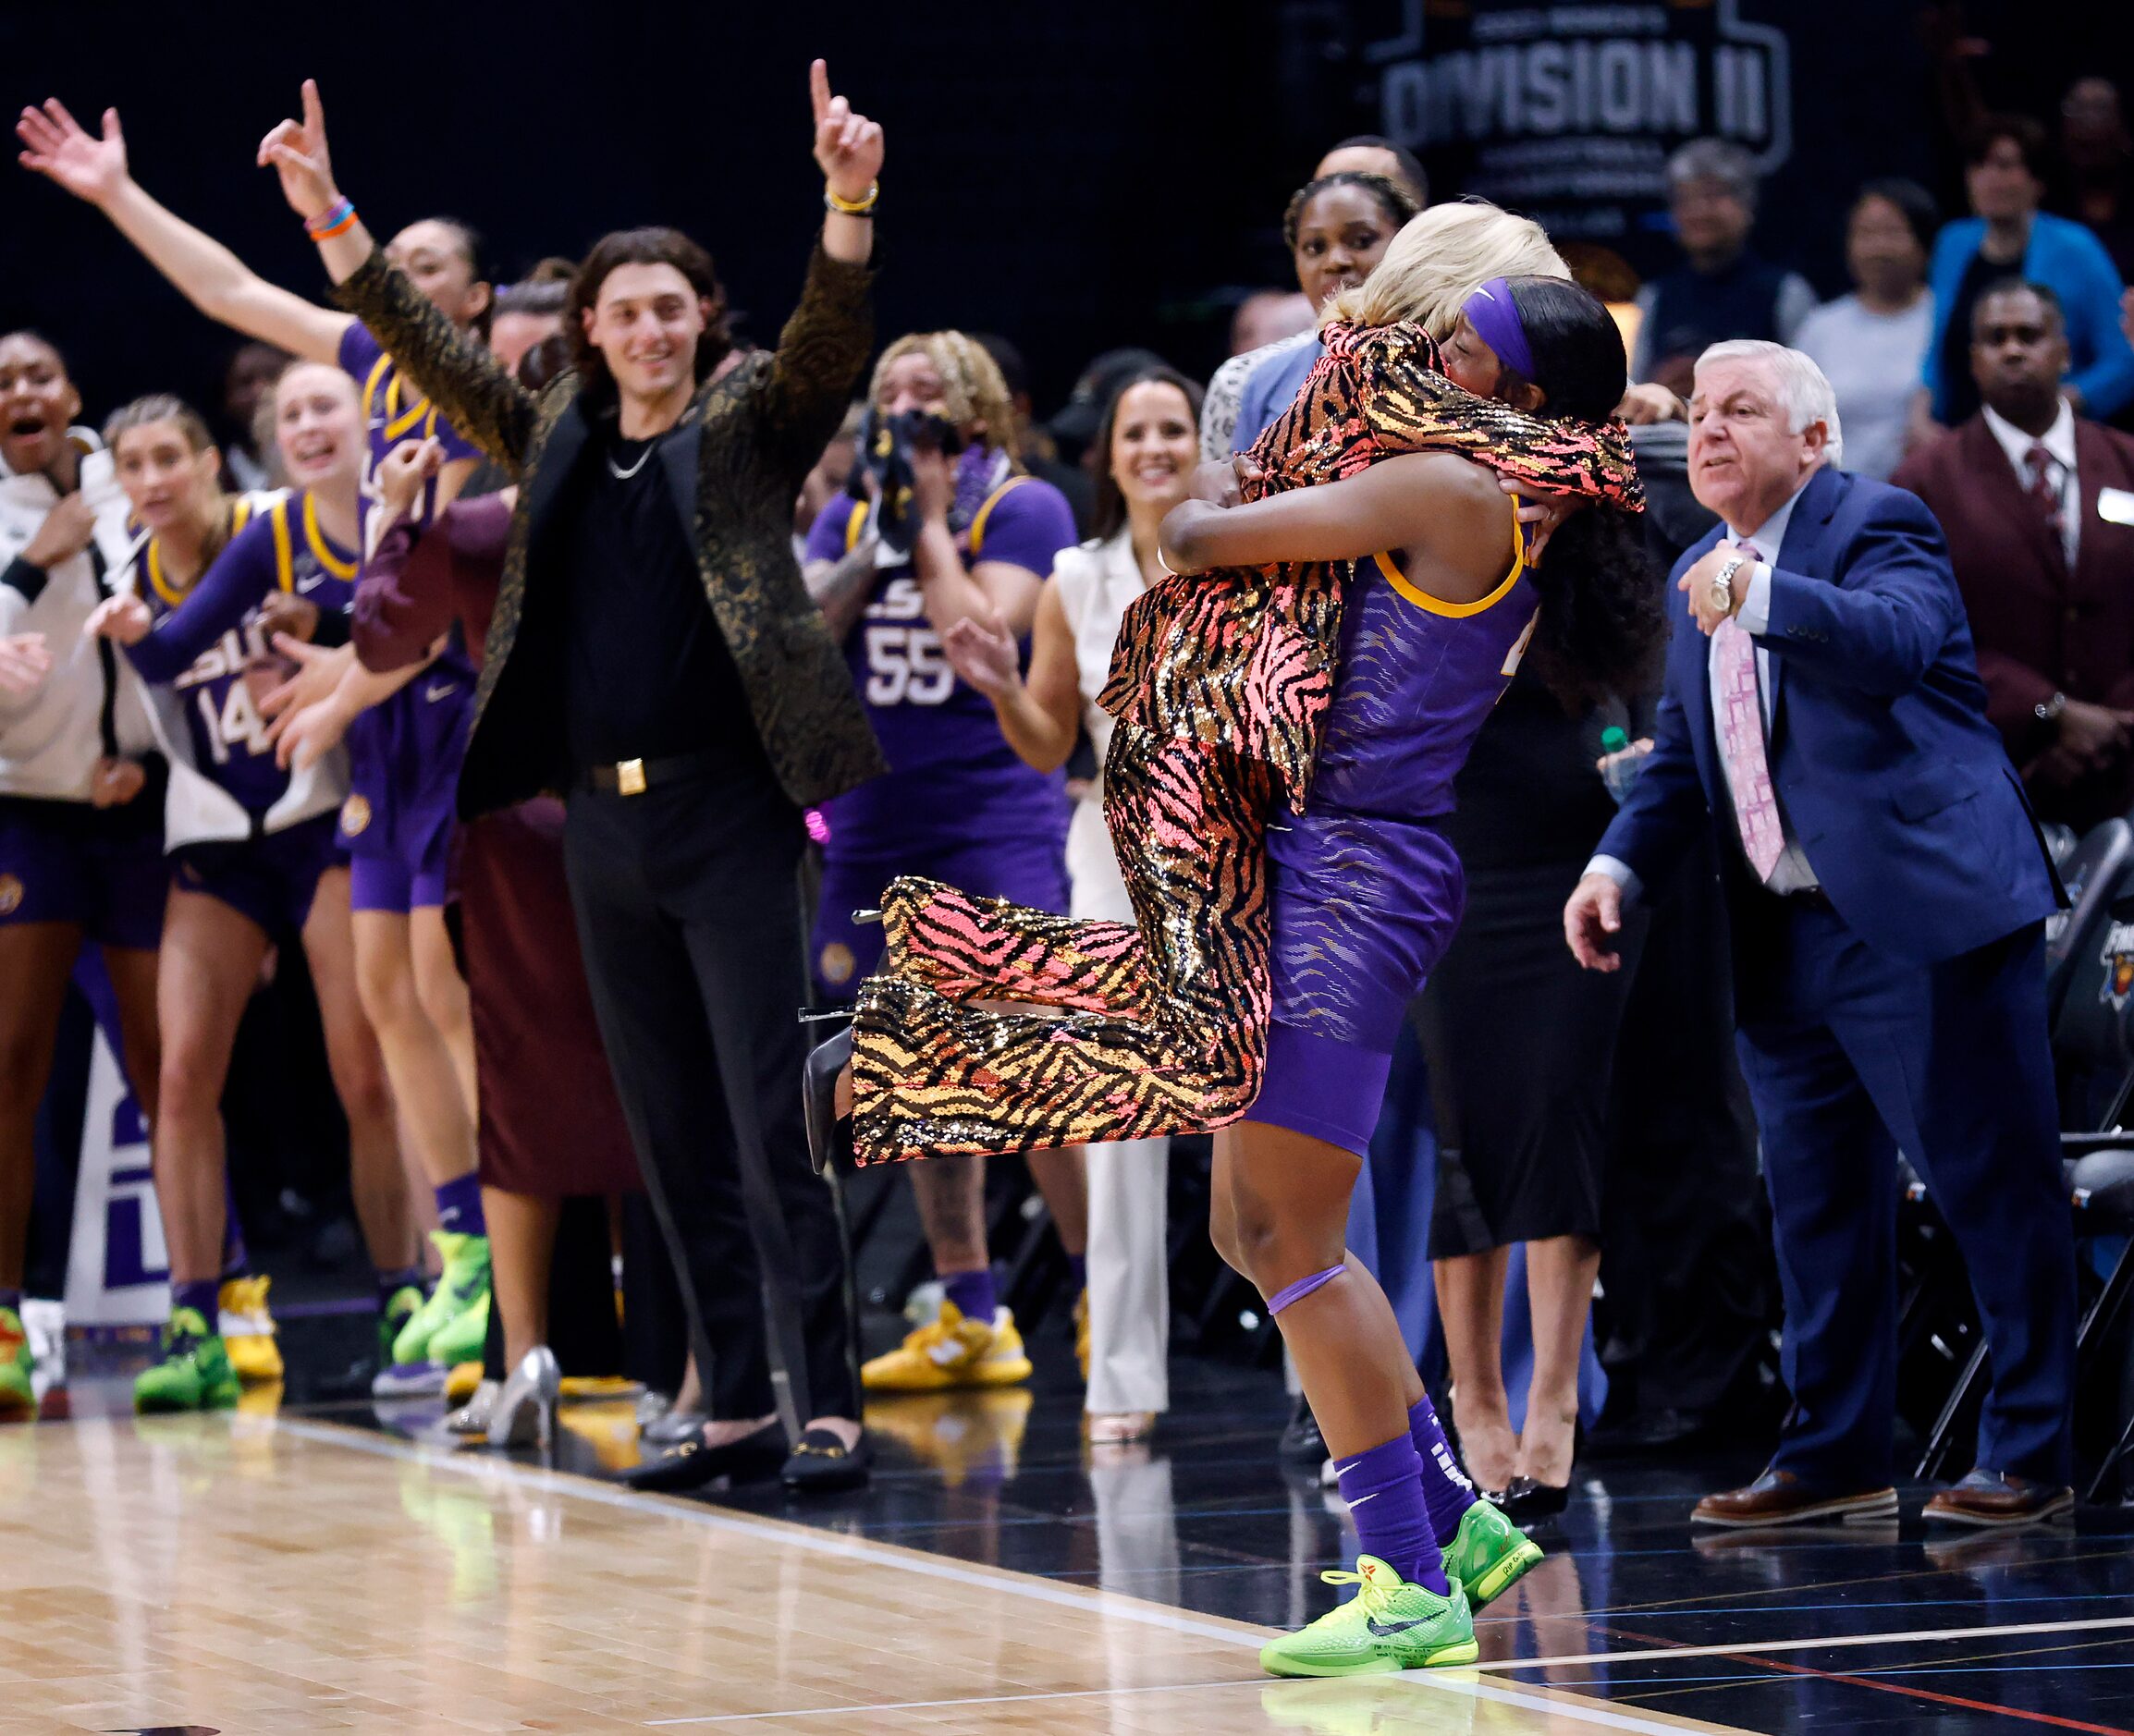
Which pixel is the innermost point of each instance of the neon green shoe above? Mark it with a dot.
(400, 1307)
(465, 1335)
(192, 1371)
(1489, 1555)
(463, 1283)
(17, 1396)
(1389, 1624)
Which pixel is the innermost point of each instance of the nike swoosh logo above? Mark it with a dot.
(312, 583)
(1362, 1498)
(1386, 1630)
(435, 693)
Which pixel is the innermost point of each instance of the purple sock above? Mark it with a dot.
(199, 1294)
(460, 1205)
(1445, 1485)
(1384, 1490)
(11, 1299)
(972, 1294)
(1078, 1265)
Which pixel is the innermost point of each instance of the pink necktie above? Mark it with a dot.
(1741, 740)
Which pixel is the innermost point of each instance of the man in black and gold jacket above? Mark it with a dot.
(654, 656)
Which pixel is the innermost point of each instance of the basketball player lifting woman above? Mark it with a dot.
(404, 758)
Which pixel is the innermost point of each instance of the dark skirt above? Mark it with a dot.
(550, 1123)
(1521, 1043)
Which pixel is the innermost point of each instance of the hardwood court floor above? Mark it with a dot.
(329, 1566)
(264, 1573)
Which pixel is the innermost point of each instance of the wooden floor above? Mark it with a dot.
(255, 1573)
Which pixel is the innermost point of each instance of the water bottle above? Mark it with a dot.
(1622, 768)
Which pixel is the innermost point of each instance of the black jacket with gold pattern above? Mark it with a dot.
(749, 441)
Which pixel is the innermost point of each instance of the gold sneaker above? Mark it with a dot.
(248, 1330)
(951, 1352)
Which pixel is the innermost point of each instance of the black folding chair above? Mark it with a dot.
(2093, 1047)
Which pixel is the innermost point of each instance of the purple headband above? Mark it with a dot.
(1496, 317)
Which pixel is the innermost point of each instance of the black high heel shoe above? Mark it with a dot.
(1527, 1500)
(829, 1134)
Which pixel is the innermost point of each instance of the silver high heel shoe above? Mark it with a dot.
(525, 1412)
(473, 1417)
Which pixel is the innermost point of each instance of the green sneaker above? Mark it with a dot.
(17, 1397)
(463, 1338)
(1389, 1624)
(191, 1372)
(1489, 1555)
(463, 1283)
(400, 1307)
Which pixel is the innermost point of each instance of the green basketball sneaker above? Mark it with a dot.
(1489, 1555)
(464, 1285)
(1389, 1624)
(192, 1371)
(17, 1397)
(463, 1338)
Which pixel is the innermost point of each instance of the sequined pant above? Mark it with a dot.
(1130, 1039)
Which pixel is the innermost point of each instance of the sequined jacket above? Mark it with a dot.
(750, 439)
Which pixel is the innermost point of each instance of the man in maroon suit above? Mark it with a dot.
(2039, 509)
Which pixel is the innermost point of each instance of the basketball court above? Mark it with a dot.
(324, 1566)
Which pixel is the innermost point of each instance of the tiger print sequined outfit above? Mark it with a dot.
(1219, 684)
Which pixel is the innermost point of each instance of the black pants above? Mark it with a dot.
(688, 914)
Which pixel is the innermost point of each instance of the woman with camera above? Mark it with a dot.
(949, 530)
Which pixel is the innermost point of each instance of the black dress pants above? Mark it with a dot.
(688, 913)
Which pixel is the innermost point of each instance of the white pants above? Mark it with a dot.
(1129, 1183)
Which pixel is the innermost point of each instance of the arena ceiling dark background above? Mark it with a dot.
(1070, 176)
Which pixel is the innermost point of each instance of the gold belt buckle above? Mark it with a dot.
(630, 776)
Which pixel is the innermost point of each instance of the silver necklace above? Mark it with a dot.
(621, 475)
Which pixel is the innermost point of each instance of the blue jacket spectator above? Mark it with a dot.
(2010, 237)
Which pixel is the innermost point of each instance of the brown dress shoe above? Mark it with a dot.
(1997, 1497)
(1778, 1498)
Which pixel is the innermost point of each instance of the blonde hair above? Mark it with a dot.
(971, 380)
(1438, 260)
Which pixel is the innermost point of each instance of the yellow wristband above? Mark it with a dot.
(851, 207)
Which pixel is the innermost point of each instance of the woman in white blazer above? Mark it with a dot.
(1150, 442)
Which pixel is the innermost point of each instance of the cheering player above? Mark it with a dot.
(252, 847)
(405, 755)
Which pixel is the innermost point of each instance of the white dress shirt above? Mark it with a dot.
(2059, 440)
(1792, 872)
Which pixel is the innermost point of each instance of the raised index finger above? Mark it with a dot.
(819, 87)
(315, 110)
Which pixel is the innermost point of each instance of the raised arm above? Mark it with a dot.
(234, 585)
(825, 343)
(206, 273)
(455, 372)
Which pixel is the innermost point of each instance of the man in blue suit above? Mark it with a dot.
(1887, 892)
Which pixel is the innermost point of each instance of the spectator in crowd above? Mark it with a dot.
(248, 462)
(1870, 343)
(1337, 229)
(2095, 184)
(1367, 154)
(829, 478)
(526, 314)
(2004, 177)
(1722, 289)
(2047, 573)
(1268, 317)
(1887, 892)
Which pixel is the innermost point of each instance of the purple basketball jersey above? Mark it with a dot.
(203, 639)
(953, 776)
